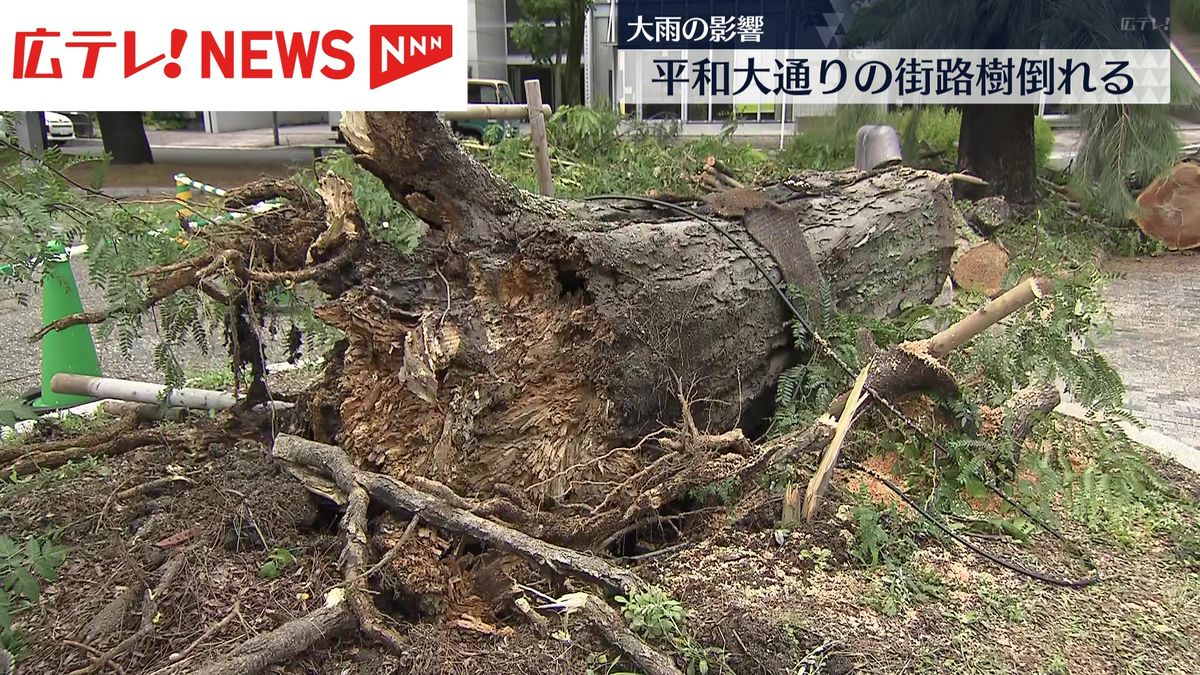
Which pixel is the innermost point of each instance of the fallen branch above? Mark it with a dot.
(286, 641)
(405, 500)
(162, 289)
(1017, 416)
(723, 179)
(598, 616)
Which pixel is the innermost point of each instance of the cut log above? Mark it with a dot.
(527, 337)
(1169, 210)
(982, 269)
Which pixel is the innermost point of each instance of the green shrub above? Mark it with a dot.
(22, 570)
(926, 133)
(1043, 141)
(582, 131)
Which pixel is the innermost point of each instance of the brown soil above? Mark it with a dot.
(763, 601)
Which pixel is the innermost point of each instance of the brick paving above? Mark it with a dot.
(1155, 341)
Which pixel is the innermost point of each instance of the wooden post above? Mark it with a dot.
(537, 130)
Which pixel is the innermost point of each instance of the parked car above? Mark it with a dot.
(59, 128)
(84, 127)
(485, 92)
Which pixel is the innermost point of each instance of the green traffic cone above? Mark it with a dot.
(63, 351)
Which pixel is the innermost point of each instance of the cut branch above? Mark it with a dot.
(911, 366)
(985, 317)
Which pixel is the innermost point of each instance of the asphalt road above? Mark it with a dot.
(20, 359)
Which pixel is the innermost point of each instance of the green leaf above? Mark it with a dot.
(8, 549)
(269, 570)
(24, 584)
(44, 567)
(33, 549)
(5, 605)
(282, 557)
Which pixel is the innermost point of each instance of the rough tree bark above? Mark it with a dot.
(995, 142)
(527, 338)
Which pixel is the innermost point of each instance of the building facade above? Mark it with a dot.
(493, 55)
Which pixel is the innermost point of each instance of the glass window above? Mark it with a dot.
(512, 11)
(478, 92)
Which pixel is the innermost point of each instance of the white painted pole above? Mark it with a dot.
(145, 392)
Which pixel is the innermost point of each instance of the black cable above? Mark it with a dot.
(824, 344)
(999, 560)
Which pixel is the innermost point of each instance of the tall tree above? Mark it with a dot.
(550, 30)
(996, 141)
(124, 137)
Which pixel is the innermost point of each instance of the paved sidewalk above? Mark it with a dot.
(301, 135)
(1067, 140)
(1155, 342)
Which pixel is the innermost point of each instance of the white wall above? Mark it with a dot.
(486, 47)
(217, 122)
(599, 67)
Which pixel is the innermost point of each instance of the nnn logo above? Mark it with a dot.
(397, 51)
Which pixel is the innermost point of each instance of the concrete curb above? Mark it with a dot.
(1171, 448)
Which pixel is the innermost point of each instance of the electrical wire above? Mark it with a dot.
(828, 349)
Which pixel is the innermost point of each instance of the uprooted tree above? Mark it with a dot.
(546, 375)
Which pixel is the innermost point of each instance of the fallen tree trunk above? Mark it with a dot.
(529, 342)
(526, 337)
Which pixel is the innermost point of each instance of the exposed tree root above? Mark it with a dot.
(404, 500)
(352, 605)
(608, 623)
(102, 444)
(251, 256)
(98, 437)
(286, 641)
